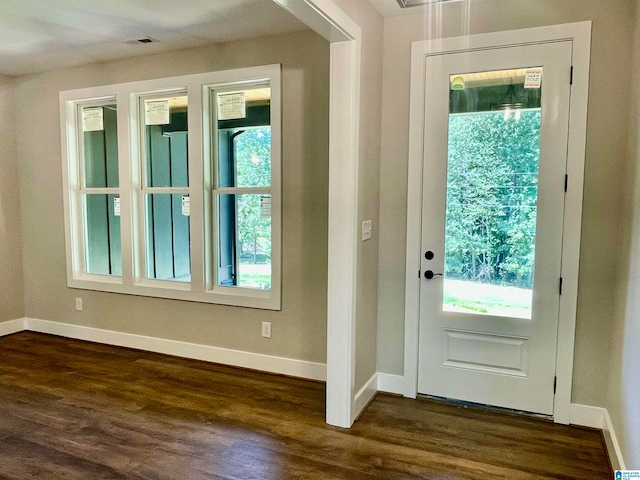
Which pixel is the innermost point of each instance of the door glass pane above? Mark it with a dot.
(168, 250)
(100, 149)
(165, 126)
(492, 192)
(102, 234)
(244, 240)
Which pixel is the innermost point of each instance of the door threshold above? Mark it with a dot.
(482, 406)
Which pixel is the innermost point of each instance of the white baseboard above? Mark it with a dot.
(390, 383)
(597, 417)
(11, 326)
(236, 358)
(583, 415)
(586, 416)
(613, 447)
(364, 397)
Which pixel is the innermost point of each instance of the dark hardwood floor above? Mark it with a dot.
(78, 410)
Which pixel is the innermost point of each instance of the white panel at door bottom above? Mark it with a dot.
(485, 352)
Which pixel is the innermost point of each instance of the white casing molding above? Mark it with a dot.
(329, 21)
(580, 36)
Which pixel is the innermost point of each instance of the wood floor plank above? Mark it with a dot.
(78, 410)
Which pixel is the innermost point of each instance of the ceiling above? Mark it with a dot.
(37, 35)
(390, 8)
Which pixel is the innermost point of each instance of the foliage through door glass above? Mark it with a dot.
(492, 190)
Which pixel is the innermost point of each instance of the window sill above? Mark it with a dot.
(233, 296)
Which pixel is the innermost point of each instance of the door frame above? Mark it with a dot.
(343, 402)
(580, 36)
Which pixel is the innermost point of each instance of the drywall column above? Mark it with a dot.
(333, 24)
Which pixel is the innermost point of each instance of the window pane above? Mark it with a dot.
(100, 135)
(244, 240)
(167, 237)
(166, 142)
(492, 195)
(244, 157)
(244, 138)
(102, 234)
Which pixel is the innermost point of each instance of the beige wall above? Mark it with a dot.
(11, 291)
(606, 150)
(624, 381)
(371, 25)
(299, 330)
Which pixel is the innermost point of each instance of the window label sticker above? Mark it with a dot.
(156, 112)
(265, 207)
(92, 119)
(533, 78)
(116, 206)
(457, 83)
(231, 106)
(186, 205)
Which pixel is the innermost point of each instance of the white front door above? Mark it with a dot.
(495, 150)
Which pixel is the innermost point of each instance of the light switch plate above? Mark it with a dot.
(266, 329)
(366, 230)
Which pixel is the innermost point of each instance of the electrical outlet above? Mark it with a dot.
(366, 230)
(266, 329)
(79, 304)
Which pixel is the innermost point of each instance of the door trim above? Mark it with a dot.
(580, 36)
(343, 404)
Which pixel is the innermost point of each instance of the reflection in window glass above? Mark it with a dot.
(101, 221)
(253, 158)
(166, 142)
(244, 240)
(102, 234)
(167, 237)
(492, 195)
(100, 146)
(246, 157)
(244, 170)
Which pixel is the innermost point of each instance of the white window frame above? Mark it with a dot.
(212, 283)
(143, 188)
(201, 143)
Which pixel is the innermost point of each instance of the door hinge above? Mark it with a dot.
(571, 76)
(566, 182)
(560, 288)
(419, 276)
(555, 384)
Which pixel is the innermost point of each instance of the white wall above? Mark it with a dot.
(11, 289)
(623, 401)
(604, 170)
(299, 330)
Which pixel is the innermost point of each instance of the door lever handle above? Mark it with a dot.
(428, 274)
